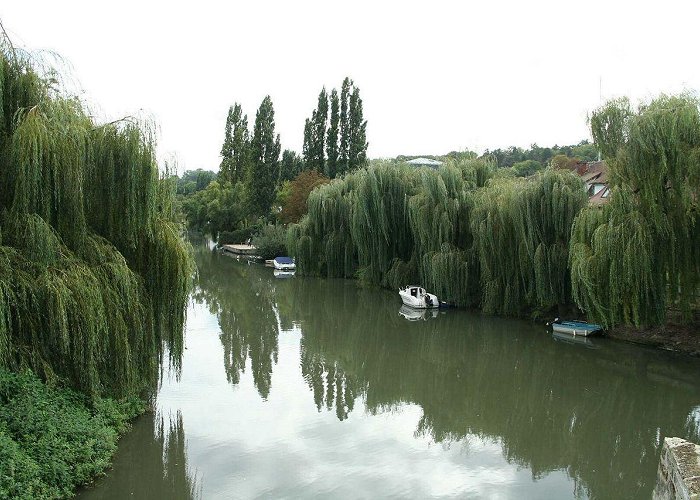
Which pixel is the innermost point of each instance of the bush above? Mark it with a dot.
(271, 242)
(237, 236)
(53, 440)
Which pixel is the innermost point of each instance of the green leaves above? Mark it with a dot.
(93, 272)
(640, 254)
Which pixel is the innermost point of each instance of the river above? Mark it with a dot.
(305, 387)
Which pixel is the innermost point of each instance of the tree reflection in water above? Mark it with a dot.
(599, 414)
(151, 462)
(242, 298)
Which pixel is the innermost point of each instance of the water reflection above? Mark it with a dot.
(412, 314)
(243, 301)
(151, 462)
(502, 396)
(598, 414)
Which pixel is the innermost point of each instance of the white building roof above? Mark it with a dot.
(425, 162)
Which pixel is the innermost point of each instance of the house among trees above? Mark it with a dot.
(595, 175)
(425, 162)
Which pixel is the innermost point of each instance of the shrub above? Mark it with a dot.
(238, 236)
(271, 242)
(52, 440)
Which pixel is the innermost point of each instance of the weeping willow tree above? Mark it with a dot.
(521, 229)
(93, 274)
(440, 223)
(640, 254)
(392, 224)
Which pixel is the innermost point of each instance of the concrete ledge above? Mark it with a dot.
(679, 471)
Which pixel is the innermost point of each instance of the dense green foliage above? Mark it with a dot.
(584, 151)
(52, 440)
(270, 242)
(93, 273)
(219, 207)
(262, 175)
(294, 203)
(501, 245)
(344, 140)
(193, 181)
(518, 239)
(640, 254)
(235, 151)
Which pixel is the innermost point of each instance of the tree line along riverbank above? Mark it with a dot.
(94, 277)
(529, 246)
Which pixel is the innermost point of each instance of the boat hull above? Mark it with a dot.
(419, 302)
(582, 330)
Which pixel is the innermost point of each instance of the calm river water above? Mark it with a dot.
(306, 387)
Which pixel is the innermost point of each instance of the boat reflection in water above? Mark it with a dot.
(278, 273)
(575, 340)
(412, 314)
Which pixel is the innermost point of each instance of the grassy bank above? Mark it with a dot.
(54, 439)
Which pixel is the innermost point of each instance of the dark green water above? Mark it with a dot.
(306, 387)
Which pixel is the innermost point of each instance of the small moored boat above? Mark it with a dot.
(284, 263)
(417, 297)
(575, 327)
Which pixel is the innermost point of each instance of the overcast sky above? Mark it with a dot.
(434, 76)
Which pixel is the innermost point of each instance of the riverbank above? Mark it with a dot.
(673, 336)
(53, 440)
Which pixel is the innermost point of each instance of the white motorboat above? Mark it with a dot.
(417, 297)
(284, 263)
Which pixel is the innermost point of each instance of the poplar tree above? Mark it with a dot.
(307, 148)
(319, 131)
(315, 134)
(357, 147)
(235, 150)
(225, 166)
(344, 149)
(264, 167)
(332, 139)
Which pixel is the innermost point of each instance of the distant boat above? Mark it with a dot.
(417, 297)
(284, 263)
(575, 327)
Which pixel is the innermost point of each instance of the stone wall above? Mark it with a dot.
(679, 471)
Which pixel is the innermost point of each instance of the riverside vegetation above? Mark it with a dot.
(94, 278)
(480, 237)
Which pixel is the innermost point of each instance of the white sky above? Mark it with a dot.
(434, 76)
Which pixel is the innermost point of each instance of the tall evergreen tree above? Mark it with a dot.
(319, 132)
(264, 167)
(332, 139)
(315, 134)
(236, 148)
(307, 150)
(357, 154)
(344, 149)
(225, 166)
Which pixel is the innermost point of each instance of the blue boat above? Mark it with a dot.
(575, 327)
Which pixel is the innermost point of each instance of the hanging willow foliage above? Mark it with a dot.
(392, 224)
(641, 253)
(93, 273)
(521, 229)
